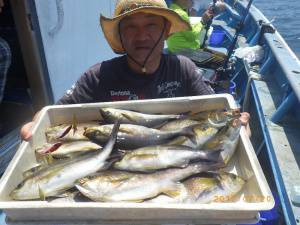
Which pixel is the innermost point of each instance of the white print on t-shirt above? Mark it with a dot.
(168, 88)
(70, 91)
(120, 93)
(124, 95)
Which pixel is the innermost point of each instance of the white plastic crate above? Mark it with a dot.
(256, 194)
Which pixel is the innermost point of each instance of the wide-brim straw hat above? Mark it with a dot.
(125, 8)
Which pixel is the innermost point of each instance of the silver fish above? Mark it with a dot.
(67, 132)
(227, 139)
(178, 124)
(202, 133)
(138, 187)
(163, 156)
(67, 149)
(193, 187)
(55, 179)
(216, 118)
(110, 115)
(134, 136)
(228, 185)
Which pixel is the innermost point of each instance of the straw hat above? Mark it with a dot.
(125, 8)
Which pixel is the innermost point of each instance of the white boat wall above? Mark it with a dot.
(60, 39)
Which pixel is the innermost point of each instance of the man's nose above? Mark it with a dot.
(142, 34)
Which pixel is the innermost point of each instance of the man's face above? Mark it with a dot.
(139, 34)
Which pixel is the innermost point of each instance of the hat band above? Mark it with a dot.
(135, 6)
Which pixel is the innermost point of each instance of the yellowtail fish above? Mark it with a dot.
(125, 186)
(163, 156)
(228, 185)
(134, 136)
(56, 179)
(227, 139)
(193, 187)
(110, 115)
(67, 133)
(67, 149)
(202, 133)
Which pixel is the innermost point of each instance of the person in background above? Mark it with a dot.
(188, 39)
(137, 32)
(5, 60)
(200, 6)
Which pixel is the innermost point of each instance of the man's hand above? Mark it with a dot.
(25, 132)
(207, 16)
(245, 117)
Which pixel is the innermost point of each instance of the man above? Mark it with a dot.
(200, 6)
(5, 60)
(194, 38)
(137, 30)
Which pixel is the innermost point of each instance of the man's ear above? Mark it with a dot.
(167, 30)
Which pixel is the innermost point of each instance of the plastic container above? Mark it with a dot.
(271, 217)
(244, 163)
(216, 38)
(258, 223)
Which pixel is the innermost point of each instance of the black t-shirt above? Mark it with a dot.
(113, 80)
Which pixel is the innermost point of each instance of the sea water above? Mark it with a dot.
(286, 15)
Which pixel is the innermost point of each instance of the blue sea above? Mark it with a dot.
(287, 19)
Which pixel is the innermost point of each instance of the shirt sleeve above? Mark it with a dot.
(83, 91)
(198, 85)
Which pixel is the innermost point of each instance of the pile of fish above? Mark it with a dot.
(136, 157)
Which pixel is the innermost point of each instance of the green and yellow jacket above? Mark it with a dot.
(185, 39)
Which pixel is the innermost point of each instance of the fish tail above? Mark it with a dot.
(208, 166)
(111, 142)
(190, 133)
(215, 155)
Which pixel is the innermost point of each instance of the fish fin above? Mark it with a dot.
(67, 130)
(215, 155)
(49, 159)
(190, 133)
(178, 141)
(74, 124)
(128, 117)
(52, 148)
(31, 171)
(126, 131)
(42, 194)
(174, 189)
(161, 125)
(203, 196)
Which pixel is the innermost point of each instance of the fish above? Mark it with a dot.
(218, 187)
(121, 186)
(202, 133)
(67, 149)
(110, 115)
(178, 124)
(55, 179)
(134, 136)
(62, 132)
(69, 197)
(157, 157)
(192, 188)
(216, 118)
(227, 139)
(228, 185)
